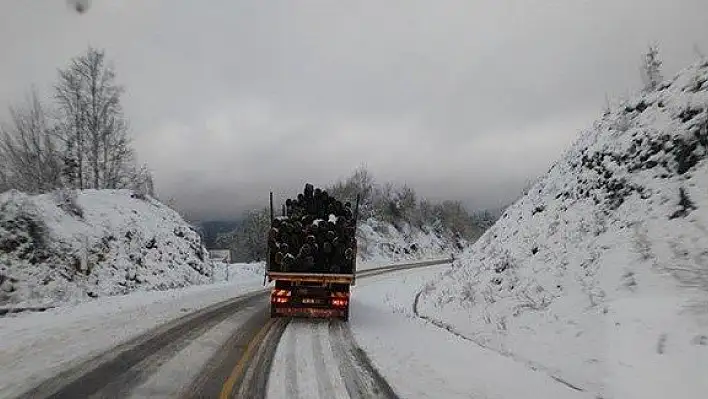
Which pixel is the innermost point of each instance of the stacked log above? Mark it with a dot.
(317, 234)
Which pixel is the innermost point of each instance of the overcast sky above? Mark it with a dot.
(465, 99)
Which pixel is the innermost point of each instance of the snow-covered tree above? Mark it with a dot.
(396, 204)
(651, 69)
(142, 182)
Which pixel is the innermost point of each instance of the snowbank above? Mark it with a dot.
(599, 276)
(66, 247)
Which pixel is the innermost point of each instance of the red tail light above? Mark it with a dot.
(280, 296)
(340, 303)
(340, 299)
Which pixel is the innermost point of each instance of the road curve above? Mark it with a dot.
(240, 367)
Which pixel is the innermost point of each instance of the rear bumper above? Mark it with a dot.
(309, 312)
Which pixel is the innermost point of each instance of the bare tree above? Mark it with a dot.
(93, 126)
(31, 161)
(248, 241)
(426, 213)
(651, 69)
(4, 178)
(455, 218)
(361, 183)
(72, 125)
(396, 204)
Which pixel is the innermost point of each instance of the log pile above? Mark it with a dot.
(317, 234)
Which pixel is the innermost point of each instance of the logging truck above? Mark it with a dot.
(311, 256)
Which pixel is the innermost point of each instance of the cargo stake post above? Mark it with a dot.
(312, 251)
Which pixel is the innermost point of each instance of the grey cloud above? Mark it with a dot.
(462, 99)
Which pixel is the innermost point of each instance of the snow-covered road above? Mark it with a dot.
(34, 347)
(319, 359)
(384, 351)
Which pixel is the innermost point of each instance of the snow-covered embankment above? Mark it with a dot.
(599, 276)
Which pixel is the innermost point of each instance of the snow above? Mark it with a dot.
(599, 275)
(420, 360)
(66, 247)
(34, 346)
(383, 244)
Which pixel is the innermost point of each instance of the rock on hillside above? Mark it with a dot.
(66, 247)
(599, 276)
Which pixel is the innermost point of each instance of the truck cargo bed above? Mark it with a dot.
(312, 277)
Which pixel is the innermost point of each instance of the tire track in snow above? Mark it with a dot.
(324, 382)
(291, 384)
(254, 383)
(361, 379)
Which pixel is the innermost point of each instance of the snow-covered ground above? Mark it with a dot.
(599, 276)
(68, 247)
(383, 244)
(34, 346)
(420, 360)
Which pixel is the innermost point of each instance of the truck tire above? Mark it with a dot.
(345, 316)
(272, 312)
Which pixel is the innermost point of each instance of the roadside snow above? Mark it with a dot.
(599, 275)
(420, 360)
(38, 345)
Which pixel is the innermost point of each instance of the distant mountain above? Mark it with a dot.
(210, 230)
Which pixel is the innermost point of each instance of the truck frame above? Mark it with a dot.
(325, 295)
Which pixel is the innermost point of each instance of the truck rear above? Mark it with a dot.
(310, 294)
(312, 256)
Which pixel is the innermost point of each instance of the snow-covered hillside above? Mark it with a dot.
(599, 276)
(65, 247)
(385, 243)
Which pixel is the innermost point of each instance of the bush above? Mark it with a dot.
(67, 200)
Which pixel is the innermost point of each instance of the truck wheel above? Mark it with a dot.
(272, 312)
(345, 316)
